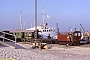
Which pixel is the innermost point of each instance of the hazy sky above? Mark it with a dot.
(67, 13)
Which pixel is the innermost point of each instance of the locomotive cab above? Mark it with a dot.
(76, 38)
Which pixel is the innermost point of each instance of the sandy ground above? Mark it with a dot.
(56, 52)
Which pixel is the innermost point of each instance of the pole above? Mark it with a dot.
(43, 14)
(57, 28)
(3, 36)
(15, 41)
(35, 19)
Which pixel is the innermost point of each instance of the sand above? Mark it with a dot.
(57, 52)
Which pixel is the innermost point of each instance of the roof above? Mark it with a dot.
(21, 30)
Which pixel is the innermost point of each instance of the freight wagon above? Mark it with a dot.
(21, 35)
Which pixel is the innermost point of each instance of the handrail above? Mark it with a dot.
(3, 36)
(9, 34)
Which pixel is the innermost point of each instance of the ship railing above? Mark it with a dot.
(2, 35)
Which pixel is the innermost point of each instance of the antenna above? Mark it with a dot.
(20, 20)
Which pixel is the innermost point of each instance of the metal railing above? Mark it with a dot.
(2, 35)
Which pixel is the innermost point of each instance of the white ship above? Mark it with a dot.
(45, 31)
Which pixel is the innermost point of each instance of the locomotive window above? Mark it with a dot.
(78, 34)
(75, 34)
(45, 30)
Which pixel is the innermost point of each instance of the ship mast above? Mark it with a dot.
(43, 14)
(20, 20)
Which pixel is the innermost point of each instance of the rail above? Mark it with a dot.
(3, 36)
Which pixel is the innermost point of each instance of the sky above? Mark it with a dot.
(67, 13)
